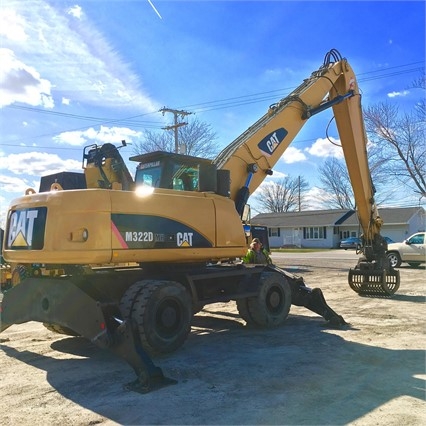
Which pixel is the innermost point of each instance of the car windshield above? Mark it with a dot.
(417, 239)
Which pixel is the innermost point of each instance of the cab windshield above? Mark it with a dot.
(179, 177)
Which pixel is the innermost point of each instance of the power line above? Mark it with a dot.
(254, 98)
(207, 106)
(102, 120)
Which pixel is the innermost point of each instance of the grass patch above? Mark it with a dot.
(298, 250)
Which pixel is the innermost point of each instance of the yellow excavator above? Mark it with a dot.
(129, 261)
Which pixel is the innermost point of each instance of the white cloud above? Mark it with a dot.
(12, 184)
(12, 26)
(22, 83)
(324, 148)
(315, 198)
(103, 135)
(3, 209)
(293, 155)
(397, 94)
(37, 164)
(75, 11)
(91, 70)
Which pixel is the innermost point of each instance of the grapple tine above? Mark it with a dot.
(374, 283)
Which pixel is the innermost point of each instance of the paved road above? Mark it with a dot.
(327, 254)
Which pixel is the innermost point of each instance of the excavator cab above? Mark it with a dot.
(179, 172)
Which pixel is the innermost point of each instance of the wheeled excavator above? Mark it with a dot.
(131, 260)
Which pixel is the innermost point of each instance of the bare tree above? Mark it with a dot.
(400, 140)
(196, 138)
(396, 149)
(285, 195)
(336, 185)
(420, 83)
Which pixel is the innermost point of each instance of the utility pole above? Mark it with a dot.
(300, 204)
(176, 125)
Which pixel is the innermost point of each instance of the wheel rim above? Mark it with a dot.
(393, 260)
(274, 300)
(168, 318)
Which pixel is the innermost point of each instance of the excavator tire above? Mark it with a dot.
(162, 311)
(19, 273)
(271, 306)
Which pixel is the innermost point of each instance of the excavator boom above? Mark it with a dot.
(251, 157)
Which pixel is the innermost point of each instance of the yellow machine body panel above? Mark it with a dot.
(102, 226)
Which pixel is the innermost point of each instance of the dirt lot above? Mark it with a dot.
(369, 373)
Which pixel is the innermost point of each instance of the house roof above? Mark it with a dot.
(341, 217)
(303, 218)
(391, 216)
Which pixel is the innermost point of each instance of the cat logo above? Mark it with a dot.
(21, 228)
(271, 142)
(25, 228)
(184, 239)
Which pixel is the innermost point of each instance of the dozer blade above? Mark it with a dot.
(374, 283)
(61, 301)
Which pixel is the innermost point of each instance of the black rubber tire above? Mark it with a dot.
(243, 310)
(55, 328)
(394, 259)
(19, 273)
(270, 308)
(162, 311)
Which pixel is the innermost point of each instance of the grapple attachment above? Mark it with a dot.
(374, 282)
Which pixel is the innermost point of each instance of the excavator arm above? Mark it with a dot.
(252, 156)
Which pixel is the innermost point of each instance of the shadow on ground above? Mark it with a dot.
(300, 373)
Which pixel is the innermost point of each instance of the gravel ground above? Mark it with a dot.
(371, 372)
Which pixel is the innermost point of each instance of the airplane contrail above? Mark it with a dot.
(155, 10)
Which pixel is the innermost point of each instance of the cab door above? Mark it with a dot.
(414, 251)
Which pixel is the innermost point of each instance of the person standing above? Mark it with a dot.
(257, 254)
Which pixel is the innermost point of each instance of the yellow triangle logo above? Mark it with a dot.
(20, 241)
(185, 244)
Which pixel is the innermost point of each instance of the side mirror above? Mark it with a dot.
(247, 230)
(246, 216)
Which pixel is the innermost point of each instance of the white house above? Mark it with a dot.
(325, 228)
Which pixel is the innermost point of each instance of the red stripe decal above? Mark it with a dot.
(116, 232)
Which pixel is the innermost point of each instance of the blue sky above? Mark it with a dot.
(73, 73)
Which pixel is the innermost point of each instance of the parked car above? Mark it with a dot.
(389, 240)
(412, 251)
(350, 243)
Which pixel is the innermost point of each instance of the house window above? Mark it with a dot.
(274, 232)
(315, 233)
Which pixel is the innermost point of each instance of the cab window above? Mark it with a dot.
(185, 178)
(148, 174)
